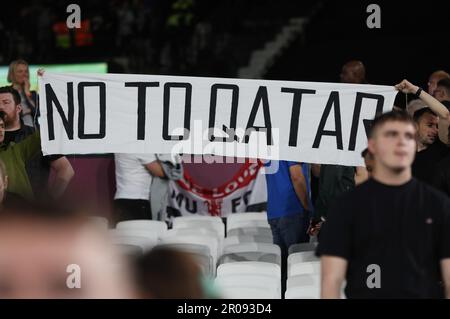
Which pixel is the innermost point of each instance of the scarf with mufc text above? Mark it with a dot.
(245, 191)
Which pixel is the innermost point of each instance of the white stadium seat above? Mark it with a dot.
(240, 239)
(188, 222)
(245, 247)
(303, 256)
(305, 292)
(207, 232)
(303, 280)
(144, 243)
(239, 292)
(250, 231)
(249, 267)
(296, 248)
(240, 220)
(153, 226)
(211, 219)
(130, 232)
(302, 268)
(251, 252)
(270, 283)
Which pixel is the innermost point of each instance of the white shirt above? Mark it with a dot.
(133, 180)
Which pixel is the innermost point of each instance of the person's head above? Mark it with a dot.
(434, 78)
(353, 72)
(442, 91)
(43, 253)
(10, 105)
(414, 105)
(165, 273)
(392, 141)
(427, 126)
(3, 181)
(368, 160)
(18, 72)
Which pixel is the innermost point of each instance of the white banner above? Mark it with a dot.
(245, 190)
(123, 113)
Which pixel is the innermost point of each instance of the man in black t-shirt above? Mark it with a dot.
(390, 236)
(442, 177)
(442, 94)
(430, 150)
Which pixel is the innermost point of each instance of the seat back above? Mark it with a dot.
(308, 267)
(249, 267)
(153, 226)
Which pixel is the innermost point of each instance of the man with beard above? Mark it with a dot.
(38, 169)
(430, 150)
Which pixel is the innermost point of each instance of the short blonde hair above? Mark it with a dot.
(12, 69)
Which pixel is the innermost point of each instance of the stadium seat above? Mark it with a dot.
(215, 223)
(239, 292)
(236, 239)
(144, 243)
(302, 257)
(303, 280)
(199, 231)
(267, 248)
(211, 219)
(251, 252)
(306, 286)
(239, 220)
(270, 283)
(304, 292)
(296, 248)
(130, 232)
(249, 224)
(252, 231)
(249, 267)
(154, 226)
(303, 268)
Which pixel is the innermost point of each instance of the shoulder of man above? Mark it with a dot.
(441, 147)
(24, 132)
(433, 195)
(351, 196)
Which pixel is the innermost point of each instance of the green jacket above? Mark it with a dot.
(15, 156)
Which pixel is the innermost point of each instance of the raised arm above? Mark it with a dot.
(407, 87)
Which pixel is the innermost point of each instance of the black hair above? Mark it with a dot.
(392, 116)
(13, 92)
(445, 83)
(420, 112)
